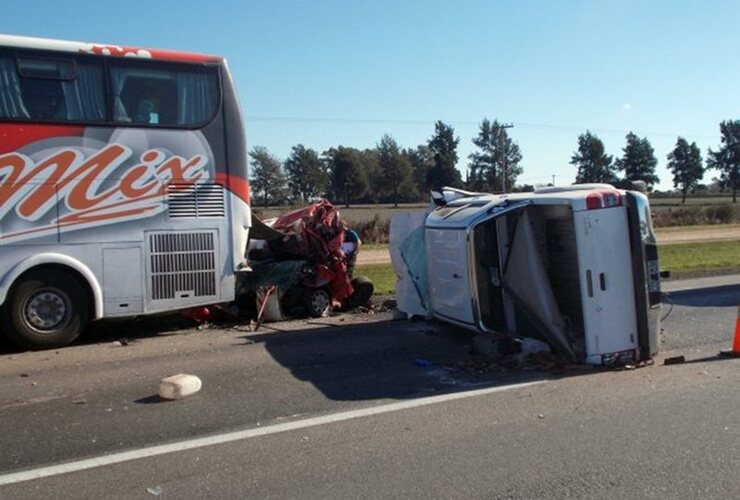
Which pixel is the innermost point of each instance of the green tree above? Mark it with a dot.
(443, 145)
(306, 174)
(727, 158)
(496, 154)
(395, 171)
(594, 165)
(267, 177)
(371, 160)
(686, 164)
(348, 174)
(422, 161)
(639, 161)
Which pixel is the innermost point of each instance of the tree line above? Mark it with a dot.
(389, 173)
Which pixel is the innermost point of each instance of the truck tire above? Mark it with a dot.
(45, 310)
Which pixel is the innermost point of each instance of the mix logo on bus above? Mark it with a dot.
(76, 182)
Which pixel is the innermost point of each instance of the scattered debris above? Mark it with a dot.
(25, 375)
(156, 491)
(179, 386)
(198, 314)
(79, 401)
(675, 360)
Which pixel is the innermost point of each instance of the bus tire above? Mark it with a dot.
(45, 309)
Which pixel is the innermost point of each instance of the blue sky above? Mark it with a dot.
(325, 73)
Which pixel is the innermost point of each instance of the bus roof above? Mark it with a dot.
(27, 42)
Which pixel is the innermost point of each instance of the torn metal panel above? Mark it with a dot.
(526, 280)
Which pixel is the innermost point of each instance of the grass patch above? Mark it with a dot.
(699, 256)
(382, 275)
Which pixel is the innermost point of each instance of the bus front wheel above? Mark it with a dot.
(45, 310)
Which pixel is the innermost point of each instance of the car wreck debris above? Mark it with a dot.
(301, 265)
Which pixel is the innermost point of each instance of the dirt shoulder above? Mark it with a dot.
(667, 236)
(700, 233)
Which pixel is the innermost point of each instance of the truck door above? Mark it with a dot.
(607, 291)
(449, 277)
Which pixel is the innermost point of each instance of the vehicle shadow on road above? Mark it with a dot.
(124, 331)
(718, 296)
(388, 359)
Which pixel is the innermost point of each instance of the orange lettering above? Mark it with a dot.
(90, 171)
(129, 180)
(44, 194)
(178, 172)
(10, 185)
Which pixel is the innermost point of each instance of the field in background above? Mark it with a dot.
(692, 200)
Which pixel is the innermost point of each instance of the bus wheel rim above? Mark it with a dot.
(45, 310)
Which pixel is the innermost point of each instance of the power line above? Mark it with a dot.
(414, 122)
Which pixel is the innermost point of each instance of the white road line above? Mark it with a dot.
(190, 444)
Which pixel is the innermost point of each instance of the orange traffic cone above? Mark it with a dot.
(735, 351)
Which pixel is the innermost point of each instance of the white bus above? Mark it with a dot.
(123, 185)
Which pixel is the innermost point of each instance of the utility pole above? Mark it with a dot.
(503, 176)
(553, 180)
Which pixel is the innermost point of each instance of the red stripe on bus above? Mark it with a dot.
(14, 136)
(236, 185)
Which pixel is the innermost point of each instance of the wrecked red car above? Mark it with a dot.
(301, 265)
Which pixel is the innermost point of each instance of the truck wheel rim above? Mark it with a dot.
(45, 310)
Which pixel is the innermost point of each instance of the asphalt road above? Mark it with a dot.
(345, 407)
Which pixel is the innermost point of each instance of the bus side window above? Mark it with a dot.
(51, 89)
(163, 97)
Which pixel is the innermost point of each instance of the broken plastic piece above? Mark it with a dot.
(156, 491)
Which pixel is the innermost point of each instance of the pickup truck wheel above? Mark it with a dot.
(45, 310)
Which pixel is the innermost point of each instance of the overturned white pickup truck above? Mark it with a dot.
(576, 266)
